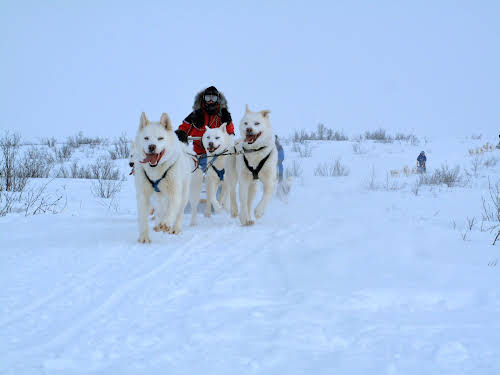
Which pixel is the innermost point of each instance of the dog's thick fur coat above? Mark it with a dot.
(167, 164)
(257, 144)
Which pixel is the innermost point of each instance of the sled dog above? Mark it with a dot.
(222, 170)
(162, 168)
(256, 163)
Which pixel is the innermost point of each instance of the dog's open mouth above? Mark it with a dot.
(251, 138)
(212, 149)
(153, 159)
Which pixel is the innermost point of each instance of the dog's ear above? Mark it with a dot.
(223, 127)
(265, 113)
(144, 120)
(165, 121)
(247, 110)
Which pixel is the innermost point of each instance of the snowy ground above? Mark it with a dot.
(340, 279)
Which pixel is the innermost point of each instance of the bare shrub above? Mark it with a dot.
(49, 142)
(475, 165)
(331, 169)
(305, 150)
(450, 177)
(295, 170)
(63, 153)
(121, 149)
(36, 200)
(408, 138)
(102, 188)
(415, 189)
(379, 135)
(7, 200)
(490, 162)
(357, 148)
(36, 163)
(491, 206)
(104, 169)
(372, 183)
(11, 178)
(476, 136)
(322, 133)
(79, 139)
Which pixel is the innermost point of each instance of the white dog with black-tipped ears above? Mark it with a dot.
(256, 163)
(162, 168)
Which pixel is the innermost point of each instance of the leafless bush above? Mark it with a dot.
(476, 136)
(415, 189)
(104, 169)
(295, 170)
(475, 165)
(490, 162)
(322, 133)
(7, 199)
(450, 177)
(331, 169)
(63, 153)
(37, 200)
(49, 142)
(79, 139)
(103, 188)
(408, 138)
(305, 150)
(372, 183)
(11, 178)
(379, 135)
(357, 148)
(491, 206)
(121, 149)
(471, 223)
(36, 163)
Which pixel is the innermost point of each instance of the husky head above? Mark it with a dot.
(131, 156)
(216, 140)
(255, 128)
(154, 139)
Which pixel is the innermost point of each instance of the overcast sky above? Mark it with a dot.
(431, 67)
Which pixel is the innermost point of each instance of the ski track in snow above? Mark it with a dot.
(338, 280)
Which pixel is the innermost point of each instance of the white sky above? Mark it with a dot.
(428, 67)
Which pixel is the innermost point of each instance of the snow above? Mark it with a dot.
(336, 279)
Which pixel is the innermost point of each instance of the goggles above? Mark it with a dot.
(211, 98)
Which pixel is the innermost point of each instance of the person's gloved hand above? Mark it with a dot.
(182, 136)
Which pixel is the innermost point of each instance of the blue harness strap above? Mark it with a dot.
(220, 173)
(155, 183)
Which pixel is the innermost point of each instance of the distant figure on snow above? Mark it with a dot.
(281, 157)
(498, 145)
(421, 163)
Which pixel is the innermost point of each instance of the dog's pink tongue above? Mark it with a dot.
(249, 138)
(153, 158)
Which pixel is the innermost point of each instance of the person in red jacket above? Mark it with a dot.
(209, 110)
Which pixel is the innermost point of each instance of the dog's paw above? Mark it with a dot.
(234, 212)
(248, 223)
(207, 214)
(259, 211)
(144, 238)
(157, 228)
(175, 230)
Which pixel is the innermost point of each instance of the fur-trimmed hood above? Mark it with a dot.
(199, 97)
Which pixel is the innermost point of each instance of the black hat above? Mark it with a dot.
(211, 91)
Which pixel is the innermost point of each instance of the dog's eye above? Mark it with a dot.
(257, 123)
(160, 138)
(217, 137)
(246, 123)
(146, 138)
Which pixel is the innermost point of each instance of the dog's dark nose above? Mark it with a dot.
(249, 130)
(152, 148)
(210, 144)
(131, 163)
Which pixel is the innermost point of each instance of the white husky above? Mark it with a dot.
(222, 159)
(257, 162)
(220, 170)
(162, 168)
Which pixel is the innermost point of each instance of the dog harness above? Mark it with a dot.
(255, 171)
(155, 183)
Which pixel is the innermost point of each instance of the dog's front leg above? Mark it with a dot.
(266, 196)
(143, 208)
(212, 184)
(243, 193)
(174, 204)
